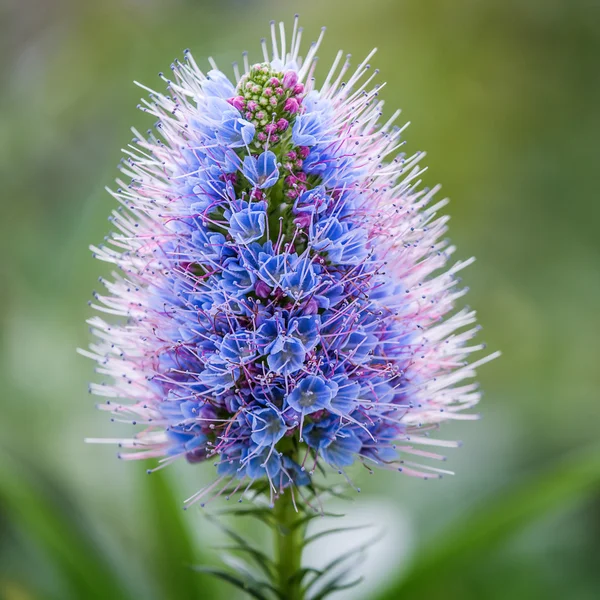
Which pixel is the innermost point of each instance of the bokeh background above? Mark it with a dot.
(504, 95)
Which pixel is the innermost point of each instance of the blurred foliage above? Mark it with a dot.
(504, 96)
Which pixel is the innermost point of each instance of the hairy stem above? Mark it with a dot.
(289, 538)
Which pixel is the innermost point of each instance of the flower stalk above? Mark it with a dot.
(289, 542)
(282, 302)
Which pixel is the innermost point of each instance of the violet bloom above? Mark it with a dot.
(277, 267)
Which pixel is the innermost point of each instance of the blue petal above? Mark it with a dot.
(261, 171)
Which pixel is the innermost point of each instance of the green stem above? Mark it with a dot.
(289, 539)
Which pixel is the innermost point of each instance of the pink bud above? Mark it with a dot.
(274, 81)
(262, 289)
(271, 128)
(238, 102)
(252, 105)
(291, 105)
(283, 124)
(261, 137)
(298, 89)
(303, 219)
(311, 307)
(290, 79)
(304, 151)
(292, 155)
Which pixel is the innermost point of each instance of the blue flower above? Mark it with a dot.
(268, 427)
(238, 347)
(248, 224)
(218, 377)
(357, 345)
(268, 331)
(313, 393)
(235, 132)
(307, 129)
(286, 345)
(310, 127)
(298, 475)
(345, 399)
(312, 201)
(265, 462)
(261, 171)
(286, 355)
(236, 279)
(217, 84)
(210, 245)
(321, 433)
(341, 244)
(182, 440)
(301, 280)
(205, 189)
(230, 463)
(306, 329)
(342, 451)
(273, 269)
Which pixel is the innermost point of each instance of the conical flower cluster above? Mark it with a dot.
(283, 287)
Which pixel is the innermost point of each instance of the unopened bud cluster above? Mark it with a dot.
(269, 99)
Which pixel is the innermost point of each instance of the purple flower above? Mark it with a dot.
(281, 290)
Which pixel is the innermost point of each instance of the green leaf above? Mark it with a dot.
(310, 516)
(498, 519)
(174, 554)
(251, 588)
(264, 515)
(260, 558)
(264, 562)
(336, 562)
(326, 532)
(45, 510)
(335, 585)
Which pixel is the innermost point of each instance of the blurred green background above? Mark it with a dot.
(504, 97)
